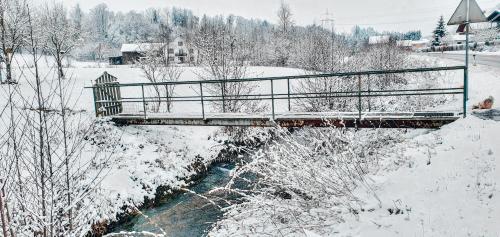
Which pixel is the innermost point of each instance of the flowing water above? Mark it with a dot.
(185, 214)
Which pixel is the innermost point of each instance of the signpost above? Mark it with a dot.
(468, 11)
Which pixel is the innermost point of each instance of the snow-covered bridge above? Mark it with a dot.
(290, 101)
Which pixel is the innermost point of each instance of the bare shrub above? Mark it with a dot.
(303, 181)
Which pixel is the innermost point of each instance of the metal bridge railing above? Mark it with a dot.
(142, 100)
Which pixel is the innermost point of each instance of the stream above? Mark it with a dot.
(185, 214)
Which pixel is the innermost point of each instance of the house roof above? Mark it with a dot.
(494, 16)
(139, 48)
(404, 43)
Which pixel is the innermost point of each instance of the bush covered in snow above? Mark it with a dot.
(302, 181)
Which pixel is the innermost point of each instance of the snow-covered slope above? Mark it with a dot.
(449, 183)
(447, 187)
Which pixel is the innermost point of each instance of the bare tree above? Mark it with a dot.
(157, 68)
(12, 30)
(48, 184)
(283, 38)
(61, 35)
(221, 58)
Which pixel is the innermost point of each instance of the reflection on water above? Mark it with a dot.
(184, 214)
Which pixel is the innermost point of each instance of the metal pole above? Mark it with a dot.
(289, 104)
(465, 94)
(466, 71)
(95, 101)
(359, 97)
(467, 47)
(369, 95)
(272, 98)
(202, 101)
(168, 99)
(223, 98)
(143, 102)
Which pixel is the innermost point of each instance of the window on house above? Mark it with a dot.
(170, 51)
(171, 59)
(181, 43)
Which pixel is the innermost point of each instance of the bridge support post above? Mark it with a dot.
(202, 101)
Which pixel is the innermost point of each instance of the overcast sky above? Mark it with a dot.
(393, 15)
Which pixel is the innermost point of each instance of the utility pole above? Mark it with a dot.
(328, 19)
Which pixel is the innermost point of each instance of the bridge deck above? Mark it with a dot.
(368, 119)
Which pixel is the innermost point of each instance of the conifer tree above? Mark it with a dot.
(439, 32)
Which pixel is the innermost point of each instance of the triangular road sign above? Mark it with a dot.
(476, 15)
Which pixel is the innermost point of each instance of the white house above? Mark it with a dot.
(420, 44)
(178, 52)
(383, 39)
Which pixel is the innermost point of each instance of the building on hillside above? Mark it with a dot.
(420, 44)
(116, 60)
(382, 39)
(404, 44)
(494, 18)
(455, 39)
(414, 45)
(176, 51)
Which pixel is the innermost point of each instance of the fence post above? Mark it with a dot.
(223, 97)
(359, 97)
(168, 99)
(272, 98)
(289, 104)
(143, 102)
(95, 101)
(202, 101)
(369, 95)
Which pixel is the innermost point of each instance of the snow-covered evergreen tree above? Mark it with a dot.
(439, 32)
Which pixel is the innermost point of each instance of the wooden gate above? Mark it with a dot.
(107, 96)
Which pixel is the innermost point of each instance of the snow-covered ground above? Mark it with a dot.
(434, 183)
(152, 156)
(146, 157)
(449, 183)
(448, 186)
(455, 194)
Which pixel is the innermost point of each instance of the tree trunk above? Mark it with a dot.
(8, 71)
(2, 215)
